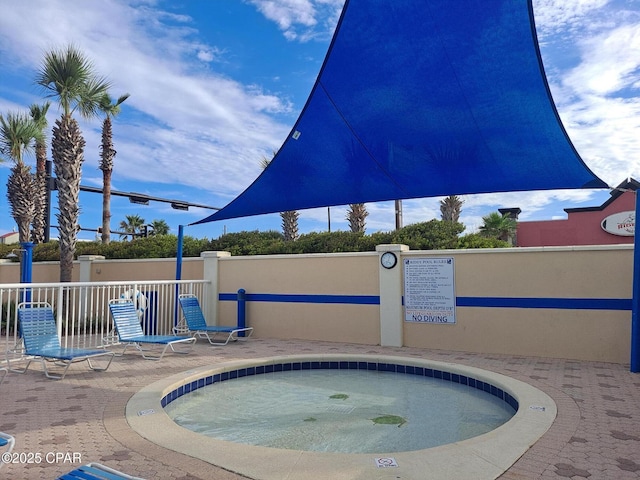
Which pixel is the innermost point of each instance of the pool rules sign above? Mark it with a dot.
(429, 290)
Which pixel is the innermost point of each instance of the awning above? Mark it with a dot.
(422, 98)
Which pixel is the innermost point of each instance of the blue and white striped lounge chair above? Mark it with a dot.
(96, 471)
(6, 444)
(127, 324)
(41, 342)
(198, 327)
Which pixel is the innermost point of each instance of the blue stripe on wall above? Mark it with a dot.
(560, 303)
(304, 298)
(486, 302)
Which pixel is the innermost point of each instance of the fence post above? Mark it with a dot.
(242, 310)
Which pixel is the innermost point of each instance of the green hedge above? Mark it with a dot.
(431, 235)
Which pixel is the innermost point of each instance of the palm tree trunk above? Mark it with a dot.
(68, 154)
(106, 165)
(39, 194)
(290, 225)
(356, 215)
(106, 206)
(20, 196)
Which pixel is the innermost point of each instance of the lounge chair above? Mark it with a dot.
(96, 471)
(6, 444)
(197, 325)
(3, 373)
(41, 342)
(127, 324)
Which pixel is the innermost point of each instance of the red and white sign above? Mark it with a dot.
(623, 224)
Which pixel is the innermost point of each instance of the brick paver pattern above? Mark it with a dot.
(596, 434)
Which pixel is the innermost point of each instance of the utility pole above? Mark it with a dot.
(398, 214)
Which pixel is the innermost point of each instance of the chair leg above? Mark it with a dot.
(227, 340)
(101, 369)
(189, 341)
(153, 357)
(16, 370)
(188, 348)
(18, 352)
(126, 345)
(53, 376)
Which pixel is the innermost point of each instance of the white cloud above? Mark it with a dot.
(302, 20)
(591, 51)
(610, 62)
(552, 16)
(209, 131)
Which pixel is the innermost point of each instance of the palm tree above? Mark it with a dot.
(290, 225)
(289, 218)
(450, 208)
(18, 133)
(160, 227)
(356, 215)
(131, 226)
(502, 227)
(70, 77)
(39, 116)
(107, 154)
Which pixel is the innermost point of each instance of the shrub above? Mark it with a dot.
(431, 235)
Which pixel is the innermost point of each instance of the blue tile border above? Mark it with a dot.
(341, 365)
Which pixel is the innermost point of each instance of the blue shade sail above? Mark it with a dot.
(422, 98)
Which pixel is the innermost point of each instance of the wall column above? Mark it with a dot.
(391, 312)
(211, 272)
(86, 265)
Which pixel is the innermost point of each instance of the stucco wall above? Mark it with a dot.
(144, 269)
(563, 302)
(309, 284)
(108, 270)
(537, 275)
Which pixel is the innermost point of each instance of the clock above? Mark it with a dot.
(388, 260)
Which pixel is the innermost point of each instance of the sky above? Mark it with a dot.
(216, 85)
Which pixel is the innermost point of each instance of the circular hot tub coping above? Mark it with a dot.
(483, 457)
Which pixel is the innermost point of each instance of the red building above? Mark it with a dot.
(612, 222)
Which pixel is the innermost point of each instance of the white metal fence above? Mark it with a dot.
(82, 312)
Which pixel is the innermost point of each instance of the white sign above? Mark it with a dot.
(429, 293)
(623, 224)
(386, 462)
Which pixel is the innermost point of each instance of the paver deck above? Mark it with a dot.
(57, 424)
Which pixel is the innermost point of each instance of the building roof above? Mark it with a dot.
(628, 185)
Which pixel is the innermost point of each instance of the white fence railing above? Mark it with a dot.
(82, 312)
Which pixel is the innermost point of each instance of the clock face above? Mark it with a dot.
(388, 260)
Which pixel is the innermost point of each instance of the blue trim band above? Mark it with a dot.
(623, 304)
(303, 298)
(559, 303)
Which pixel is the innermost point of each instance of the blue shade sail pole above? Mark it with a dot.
(635, 303)
(178, 271)
(26, 268)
